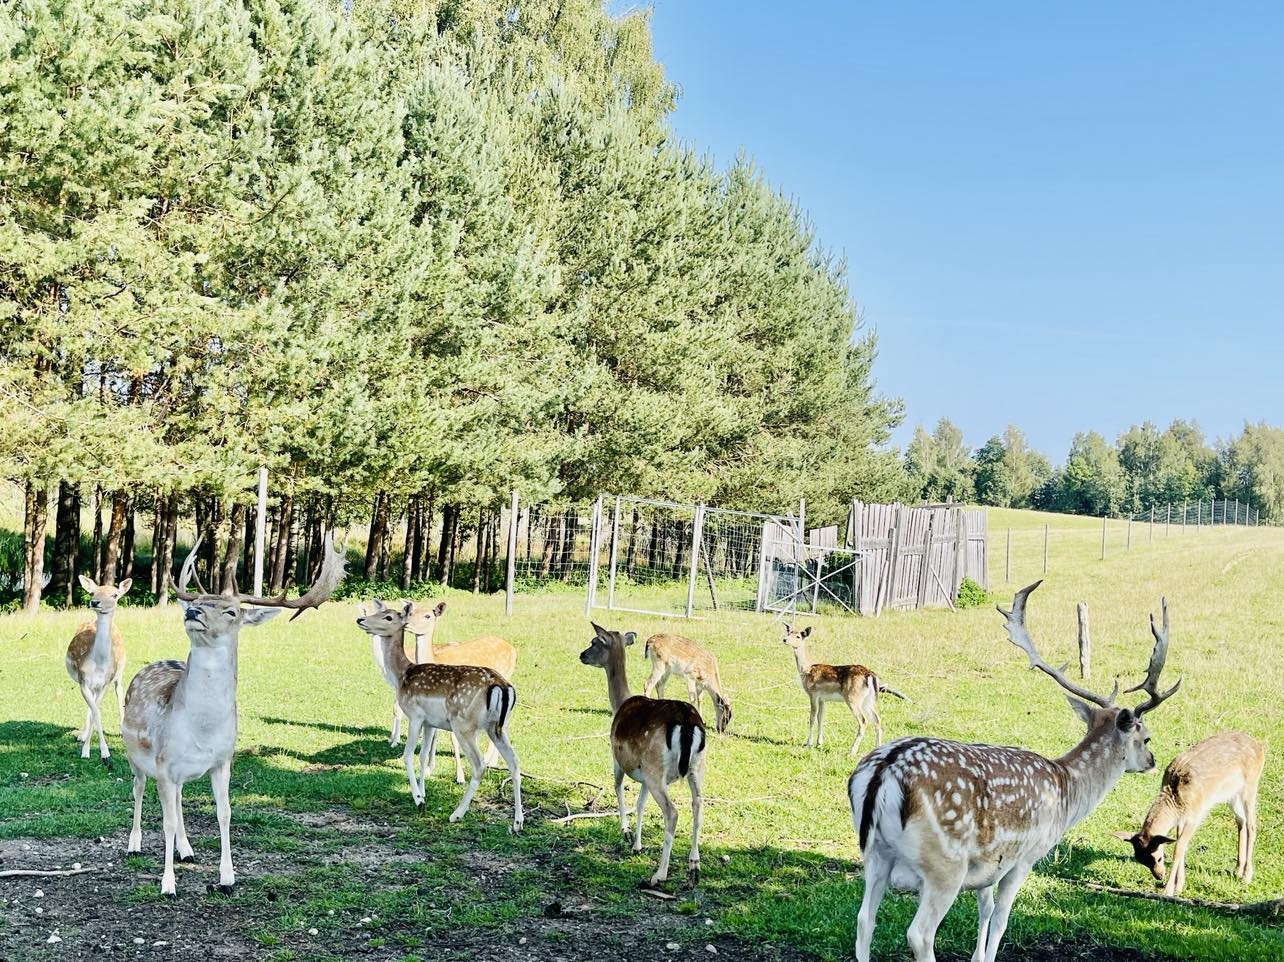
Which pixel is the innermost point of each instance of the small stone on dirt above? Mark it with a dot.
(39, 910)
(672, 946)
(312, 931)
(53, 939)
(139, 941)
(39, 893)
(75, 865)
(522, 940)
(711, 948)
(159, 945)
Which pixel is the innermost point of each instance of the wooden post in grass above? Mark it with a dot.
(1085, 642)
(1007, 561)
(1128, 535)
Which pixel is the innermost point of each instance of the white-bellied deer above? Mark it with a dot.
(393, 679)
(180, 718)
(654, 742)
(96, 659)
(678, 655)
(938, 816)
(854, 685)
(1225, 767)
(485, 651)
(465, 700)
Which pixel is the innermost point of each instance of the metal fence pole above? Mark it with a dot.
(697, 539)
(1152, 524)
(260, 536)
(615, 544)
(511, 576)
(595, 541)
(1128, 536)
(1168, 522)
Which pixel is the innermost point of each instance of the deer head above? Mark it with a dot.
(103, 598)
(423, 618)
(605, 645)
(383, 620)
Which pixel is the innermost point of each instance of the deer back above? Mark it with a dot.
(648, 731)
(488, 651)
(1213, 771)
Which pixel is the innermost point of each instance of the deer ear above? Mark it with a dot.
(378, 605)
(123, 587)
(439, 610)
(630, 637)
(1158, 840)
(600, 631)
(256, 616)
(806, 632)
(87, 584)
(1082, 709)
(1128, 837)
(1126, 720)
(406, 608)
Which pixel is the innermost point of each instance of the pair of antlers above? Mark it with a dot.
(332, 571)
(1020, 636)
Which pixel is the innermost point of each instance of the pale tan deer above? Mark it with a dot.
(1225, 767)
(465, 700)
(937, 816)
(96, 659)
(180, 718)
(854, 685)
(654, 742)
(678, 655)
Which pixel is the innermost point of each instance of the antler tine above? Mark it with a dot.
(1158, 657)
(332, 572)
(1020, 636)
(189, 574)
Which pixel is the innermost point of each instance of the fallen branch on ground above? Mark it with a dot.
(1271, 907)
(43, 873)
(571, 818)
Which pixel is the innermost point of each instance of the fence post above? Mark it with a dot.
(1128, 535)
(1103, 537)
(615, 544)
(1185, 506)
(595, 541)
(260, 532)
(1168, 522)
(511, 575)
(1007, 561)
(697, 539)
(1085, 643)
(1152, 524)
(1237, 511)
(1045, 547)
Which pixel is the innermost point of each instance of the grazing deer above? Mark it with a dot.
(937, 816)
(180, 719)
(1225, 767)
(96, 659)
(654, 742)
(462, 699)
(854, 684)
(676, 655)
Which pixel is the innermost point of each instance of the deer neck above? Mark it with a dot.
(1162, 816)
(1091, 769)
(617, 681)
(803, 661)
(423, 648)
(209, 684)
(101, 649)
(394, 653)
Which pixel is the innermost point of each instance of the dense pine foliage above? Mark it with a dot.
(414, 255)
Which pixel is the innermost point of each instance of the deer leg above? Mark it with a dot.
(656, 678)
(1004, 893)
(220, 781)
(637, 817)
(811, 723)
(619, 799)
(120, 698)
(1177, 874)
(984, 911)
(82, 736)
(469, 740)
(185, 853)
(1241, 822)
(95, 708)
(859, 715)
(427, 755)
(169, 821)
(935, 899)
(670, 827)
(414, 727)
(136, 833)
(459, 768)
(394, 735)
(877, 871)
(499, 740)
(1250, 837)
(878, 725)
(820, 724)
(694, 779)
(693, 694)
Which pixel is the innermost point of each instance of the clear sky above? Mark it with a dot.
(1066, 219)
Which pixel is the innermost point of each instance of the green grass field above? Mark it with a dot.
(325, 836)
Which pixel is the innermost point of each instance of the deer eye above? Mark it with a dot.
(1146, 740)
(230, 614)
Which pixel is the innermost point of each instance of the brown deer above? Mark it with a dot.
(677, 655)
(1225, 767)
(937, 816)
(96, 659)
(855, 685)
(180, 718)
(654, 742)
(465, 700)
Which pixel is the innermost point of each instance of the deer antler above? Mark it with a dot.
(188, 574)
(1158, 657)
(331, 574)
(1020, 637)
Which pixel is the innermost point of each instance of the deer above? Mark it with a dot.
(180, 717)
(677, 655)
(855, 685)
(938, 816)
(1224, 767)
(655, 742)
(96, 659)
(464, 700)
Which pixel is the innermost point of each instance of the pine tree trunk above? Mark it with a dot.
(653, 547)
(248, 546)
(66, 542)
(316, 544)
(158, 536)
(554, 522)
(385, 537)
(35, 520)
(449, 519)
(492, 565)
(125, 567)
(479, 557)
(411, 542)
(680, 551)
(291, 550)
(566, 554)
(233, 554)
(165, 560)
(96, 544)
(372, 543)
(112, 542)
(281, 543)
(454, 545)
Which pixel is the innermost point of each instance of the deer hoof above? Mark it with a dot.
(693, 876)
(187, 858)
(227, 889)
(107, 762)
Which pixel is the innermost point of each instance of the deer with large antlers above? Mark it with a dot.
(464, 700)
(938, 816)
(655, 742)
(96, 659)
(180, 718)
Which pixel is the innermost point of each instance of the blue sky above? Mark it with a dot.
(1066, 219)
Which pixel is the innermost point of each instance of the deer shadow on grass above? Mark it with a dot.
(327, 726)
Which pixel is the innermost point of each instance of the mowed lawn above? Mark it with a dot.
(780, 859)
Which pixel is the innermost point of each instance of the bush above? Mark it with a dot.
(386, 590)
(971, 595)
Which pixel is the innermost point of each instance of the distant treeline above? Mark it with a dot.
(1144, 468)
(409, 258)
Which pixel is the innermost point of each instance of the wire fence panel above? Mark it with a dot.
(649, 548)
(729, 572)
(554, 544)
